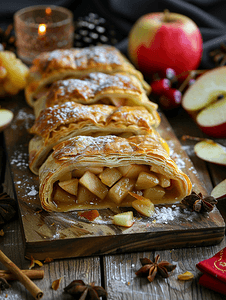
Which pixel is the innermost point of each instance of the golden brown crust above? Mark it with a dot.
(118, 89)
(69, 119)
(59, 64)
(109, 151)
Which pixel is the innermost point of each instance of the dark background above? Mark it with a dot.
(209, 15)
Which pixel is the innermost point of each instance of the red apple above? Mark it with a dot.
(210, 151)
(205, 101)
(158, 41)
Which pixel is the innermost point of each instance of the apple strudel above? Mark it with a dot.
(87, 172)
(76, 62)
(63, 121)
(117, 89)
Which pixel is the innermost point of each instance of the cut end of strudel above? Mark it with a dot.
(63, 121)
(75, 63)
(99, 172)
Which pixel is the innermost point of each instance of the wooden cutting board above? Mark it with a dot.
(62, 235)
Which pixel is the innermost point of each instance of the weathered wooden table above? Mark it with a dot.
(115, 272)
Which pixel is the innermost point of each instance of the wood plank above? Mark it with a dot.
(122, 283)
(61, 235)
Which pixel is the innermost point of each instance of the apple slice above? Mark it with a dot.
(142, 205)
(205, 90)
(124, 219)
(212, 119)
(6, 117)
(219, 192)
(210, 151)
(70, 186)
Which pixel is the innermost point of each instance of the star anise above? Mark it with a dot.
(219, 55)
(199, 203)
(3, 284)
(8, 208)
(151, 269)
(82, 291)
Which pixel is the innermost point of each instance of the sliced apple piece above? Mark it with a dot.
(6, 117)
(70, 186)
(80, 172)
(124, 219)
(96, 170)
(219, 191)
(164, 181)
(132, 171)
(146, 180)
(205, 90)
(110, 176)
(94, 184)
(212, 119)
(120, 190)
(143, 205)
(210, 151)
(205, 102)
(62, 197)
(154, 193)
(84, 195)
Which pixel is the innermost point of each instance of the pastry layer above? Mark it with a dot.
(63, 121)
(118, 89)
(76, 62)
(81, 158)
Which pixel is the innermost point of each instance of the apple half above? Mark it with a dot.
(210, 151)
(205, 101)
(212, 120)
(219, 191)
(6, 117)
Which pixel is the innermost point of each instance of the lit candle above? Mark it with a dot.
(42, 29)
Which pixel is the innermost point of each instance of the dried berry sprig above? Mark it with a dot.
(151, 269)
(84, 291)
(199, 203)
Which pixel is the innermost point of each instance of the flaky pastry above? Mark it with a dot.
(63, 121)
(76, 175)
(76, 62)
(117, 89)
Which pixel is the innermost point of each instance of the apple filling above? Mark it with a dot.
(105, 187)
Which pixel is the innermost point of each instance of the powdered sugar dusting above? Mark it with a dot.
(20, 158)
(23, 118)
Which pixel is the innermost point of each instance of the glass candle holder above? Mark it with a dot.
(42, 28)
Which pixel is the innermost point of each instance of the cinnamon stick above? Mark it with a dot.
(23, 278)
(32, 274)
